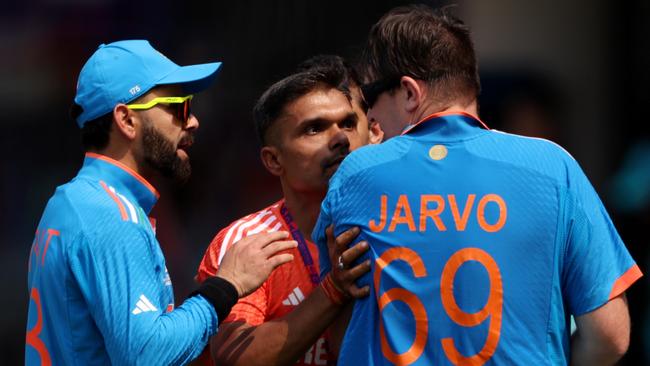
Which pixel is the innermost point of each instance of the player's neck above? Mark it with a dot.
(466, 106)
(126, 157)
(304, 209)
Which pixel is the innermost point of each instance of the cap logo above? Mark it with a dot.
(135, 90)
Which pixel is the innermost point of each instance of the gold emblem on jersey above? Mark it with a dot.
(438, 152)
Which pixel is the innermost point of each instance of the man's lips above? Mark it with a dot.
(334, 161)
(186, 143)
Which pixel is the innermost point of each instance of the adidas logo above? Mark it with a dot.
(295, 297)
(143, 305)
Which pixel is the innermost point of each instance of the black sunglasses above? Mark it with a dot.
(371, 91)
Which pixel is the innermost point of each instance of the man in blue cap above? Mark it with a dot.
(99, 289)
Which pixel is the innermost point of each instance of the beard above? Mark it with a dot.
(160, 154)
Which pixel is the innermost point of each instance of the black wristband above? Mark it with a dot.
(220, 293)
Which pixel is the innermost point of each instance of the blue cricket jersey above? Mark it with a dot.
(99, 290)
(482, 244)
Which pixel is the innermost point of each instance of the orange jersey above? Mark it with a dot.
(287, 286)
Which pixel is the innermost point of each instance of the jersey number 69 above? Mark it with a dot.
(492, 308)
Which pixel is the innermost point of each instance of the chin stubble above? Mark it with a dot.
(160, 154)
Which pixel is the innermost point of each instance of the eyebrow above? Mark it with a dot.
(317, 120)
(353, 116)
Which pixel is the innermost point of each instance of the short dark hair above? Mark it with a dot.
(95, 134)
(332, 62)
(337, 64)
(318, 72)
(425, 44)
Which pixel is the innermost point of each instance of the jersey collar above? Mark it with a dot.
(448, 126)
(124, 179)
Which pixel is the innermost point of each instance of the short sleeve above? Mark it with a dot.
(336, 201)
(320, 238)
(597, 266)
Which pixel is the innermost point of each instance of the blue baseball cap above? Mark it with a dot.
(122, 71)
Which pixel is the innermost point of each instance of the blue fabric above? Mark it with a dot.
(99, 288)
(554, 246)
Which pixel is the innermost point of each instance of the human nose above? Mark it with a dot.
(339, 139)
(192, 123)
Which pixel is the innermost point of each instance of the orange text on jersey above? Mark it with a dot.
(429, 208)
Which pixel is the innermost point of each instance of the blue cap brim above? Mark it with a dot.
(193, 78)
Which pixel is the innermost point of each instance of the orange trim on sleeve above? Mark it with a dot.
(625, 281)
(126, 169)
(117, 200)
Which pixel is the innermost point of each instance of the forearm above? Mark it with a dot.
(338, 328)
(603, 335)
(280, 341)
(179, 336)
(585, 352)
(147, 333)
(174, 338)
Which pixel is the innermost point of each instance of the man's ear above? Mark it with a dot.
(124, 119)
(414, 93)
(272, 160)
(376, 133)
